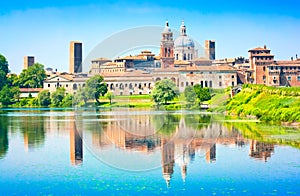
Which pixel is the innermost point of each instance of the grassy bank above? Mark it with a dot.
(266, 103)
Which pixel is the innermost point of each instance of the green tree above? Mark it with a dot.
(190, 94)
(13, 80)
(109, 96)
(57, 97)
(203, 94)
(95, 87)
(164, 91)
(67, 101)
(33, 77)
(9, 94)
(80, 97)
(3, 71)
(44, 98)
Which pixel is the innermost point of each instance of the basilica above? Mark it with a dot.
(178, 60)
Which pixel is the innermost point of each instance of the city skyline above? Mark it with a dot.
(44, 29)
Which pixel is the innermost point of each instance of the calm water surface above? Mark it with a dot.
(142, 152)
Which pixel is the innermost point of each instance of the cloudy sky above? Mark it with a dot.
(45, 28)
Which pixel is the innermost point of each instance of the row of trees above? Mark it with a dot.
(166, 90)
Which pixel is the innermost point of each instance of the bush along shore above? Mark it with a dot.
(277, 104)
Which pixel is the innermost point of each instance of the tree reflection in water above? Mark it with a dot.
(4, 121)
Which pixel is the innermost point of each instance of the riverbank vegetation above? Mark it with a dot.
(266, 103)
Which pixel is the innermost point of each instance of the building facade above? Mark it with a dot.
(265, 70)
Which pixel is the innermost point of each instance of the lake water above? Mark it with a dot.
(125, 152)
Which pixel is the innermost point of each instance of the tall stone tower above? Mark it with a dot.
(167, 48)
(28, 61)
(75, 57)
(210, 49)
(259, 59)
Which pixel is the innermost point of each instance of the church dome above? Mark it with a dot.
(184, 41)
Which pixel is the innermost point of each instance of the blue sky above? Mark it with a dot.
(45, 28)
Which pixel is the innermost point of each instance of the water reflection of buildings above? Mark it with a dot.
(178, 146)
(261, 150)
(75, 145)
(134, 133)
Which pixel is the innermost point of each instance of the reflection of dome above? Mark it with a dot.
(184, 41)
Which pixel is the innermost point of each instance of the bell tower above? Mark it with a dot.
(167, 48)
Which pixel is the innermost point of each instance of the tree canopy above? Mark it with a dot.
(164, 91)
(3, 71)
(95, 87)
(33, 77)
(57, 97)
(44, 98)
(9, 95)
(203, 94)
(190, 94)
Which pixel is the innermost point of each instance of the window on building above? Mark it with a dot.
(182, 84)
(184, 56)
(264, 68)
(210, 84)
(206, 85)
(202, 84)
(232, 76)
(232, 83)
(67, 86)
(220, 77)
(187, 83)
(220, 84)
(289, 78)
(192, 83)
(48, 85)
(298, 78)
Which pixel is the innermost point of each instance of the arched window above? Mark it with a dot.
(74, 86)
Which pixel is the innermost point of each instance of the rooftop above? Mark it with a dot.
(208, 68)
